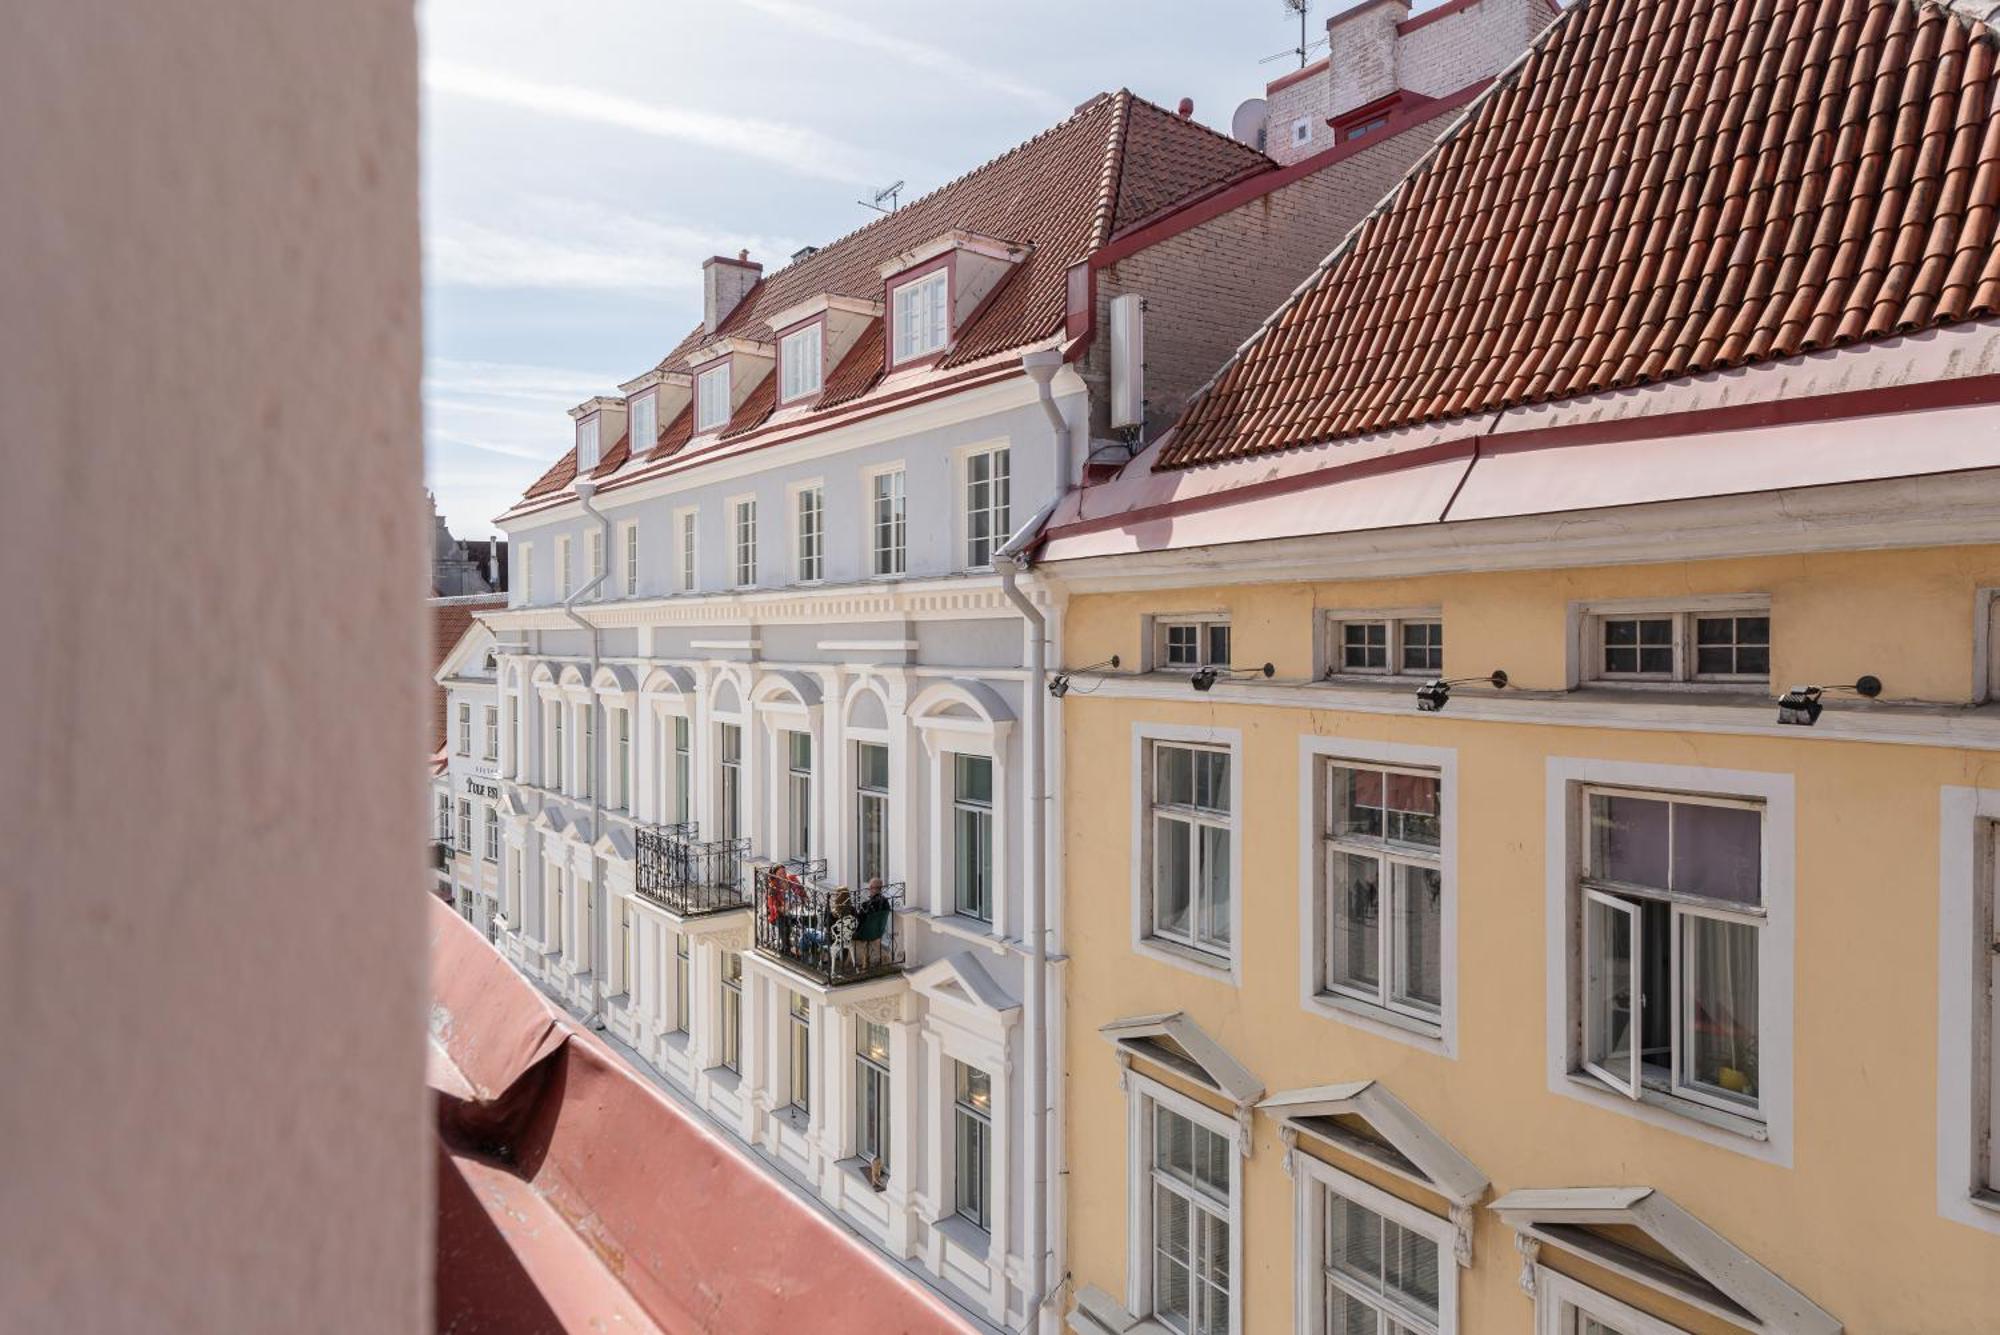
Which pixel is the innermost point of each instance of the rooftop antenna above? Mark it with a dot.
(1301, 8)
(889, 192)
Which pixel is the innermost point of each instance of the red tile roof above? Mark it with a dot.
(450, 619)
(1659, 190)
(1116, 159)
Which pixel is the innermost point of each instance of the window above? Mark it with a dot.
(1189, 858)
(871, 812)
(492, 834)
(972, 836)
(553, 762)
(586, 444)
(527, 572)
(921, 327)
(986, 505)
(464, 729)
(798, 1021)
(444, 818)
(971, 1141)
(808, 541)
(1191, 643)
(1364, 128)
(563, 571)
(1412, 645)
(617, 781)
(683, 769)
(798, 792)
(687, 551)
(1680, 645)
(1302, 131)
(554, 909)
(1379, 1264)
(888, 534)
(631, 560)
(729, 749)
(517, 757)
(1189, 1185)
(587, 758)
(594, 545)
(492, 733)
(628, 947)
(1671, 907)
(681, 967)
(645, 424)
(871, 1092)
(799, 363)
(731, 1056)
(746, 542)
(1383, 889)
(465, 825)
(711, 404)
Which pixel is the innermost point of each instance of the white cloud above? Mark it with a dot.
(796, 148)
(922, 55)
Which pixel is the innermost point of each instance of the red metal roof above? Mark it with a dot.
(1659, 190)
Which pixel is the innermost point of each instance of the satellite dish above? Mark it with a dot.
(1247, 125)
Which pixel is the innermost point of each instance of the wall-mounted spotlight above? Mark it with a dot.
(1801, 704)
(1435, 694)
(1059, 683)
(1205, 678)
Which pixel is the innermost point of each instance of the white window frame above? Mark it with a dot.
(998, 515)
(800, 809)
(886, 1067)
(688, 523)
(465, 826)
(1205, 963)
(949, 762)
(643, 415)
(961, 1110)
(1315, 754)
(1302, 131)
(729, 1013)
(527, 572)
(1395, 623)
(464, 728)
(1314, 1180)
(808, 539)
(920, 313)
(1557, 1296)
(683, 967)
(801, 363)
(1968, 1152)
(444, 819)
(1587, 641)
(888, 537)
(629, 545)
(711, 399)
(1769, 1139)
(1142, 1094)
(492, 825)
(493, 733)
(565, 569)
(1204, 623)
(593, 545)
(799, 1047)
(588, 452)
(743, 542)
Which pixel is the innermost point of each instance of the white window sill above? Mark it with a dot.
(967, 1236)
(1389, 1023)
(970, 930)
(1747, 1127)
(1986, 1199)
(793, 1118)
(1200, 962)
(725, 1079)
(857, 1168)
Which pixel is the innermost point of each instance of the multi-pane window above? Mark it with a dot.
(1377, 1277)
(1411, 645)
(1986, 1151)
(565, 580)
(645, 424)
(681, 968)
(888, 531)
(809, 535)
(628, 948)
(586, 444)
(798, 1034)
(594, 546)
(731, 998)
(683, 769)
(972, 836)
(1383, 897)
(799, 361)
(444, 818)
(687, 551)
(1191, 643)
(871, 812)
(971, 1143)
(492, 834)
(527, 572)
(1719, 646)
(586, 761)
(465, 825)
(987, 505)
(746, 542)
(619, 778)
(799, 793)
(492, 733)
(1189, 828)
(919, 315)
(555, 762)
(1671, 905)
(464, 729)
(554, 906)
(631, 560)
(729, 759)
(711, 403)
(517, 761)
(871, 1091)
(1188, 1216)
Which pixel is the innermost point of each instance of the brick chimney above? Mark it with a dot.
(724, 282)
(1361, 54)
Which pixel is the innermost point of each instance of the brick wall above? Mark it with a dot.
(1476, 42)
(1208, 288)
(1302, 104)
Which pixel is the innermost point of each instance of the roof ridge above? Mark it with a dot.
(1113, 169)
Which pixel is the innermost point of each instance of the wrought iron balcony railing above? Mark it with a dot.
(440, 854)
(829, 933)
(689, 876)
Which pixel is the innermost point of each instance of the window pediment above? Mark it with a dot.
(1401, 1141)
(960, 977)
(1176, 1042)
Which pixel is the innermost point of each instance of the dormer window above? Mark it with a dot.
(919, 313)
(586, 444)
(645, 423)
(799, 361)
(711, 406)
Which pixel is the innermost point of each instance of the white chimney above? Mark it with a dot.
(724, 283)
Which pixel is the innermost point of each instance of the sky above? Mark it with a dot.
(582, 158)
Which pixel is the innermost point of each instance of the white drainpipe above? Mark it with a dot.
(584, 491)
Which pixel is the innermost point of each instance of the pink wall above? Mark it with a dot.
(212, 552)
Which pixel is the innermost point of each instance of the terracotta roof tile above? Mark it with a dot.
(858, 370)
(678, 433)
(450, 619)
(1658, 190)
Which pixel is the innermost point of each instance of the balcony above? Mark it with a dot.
(828, 933)
(440, 854)
(687, 876)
